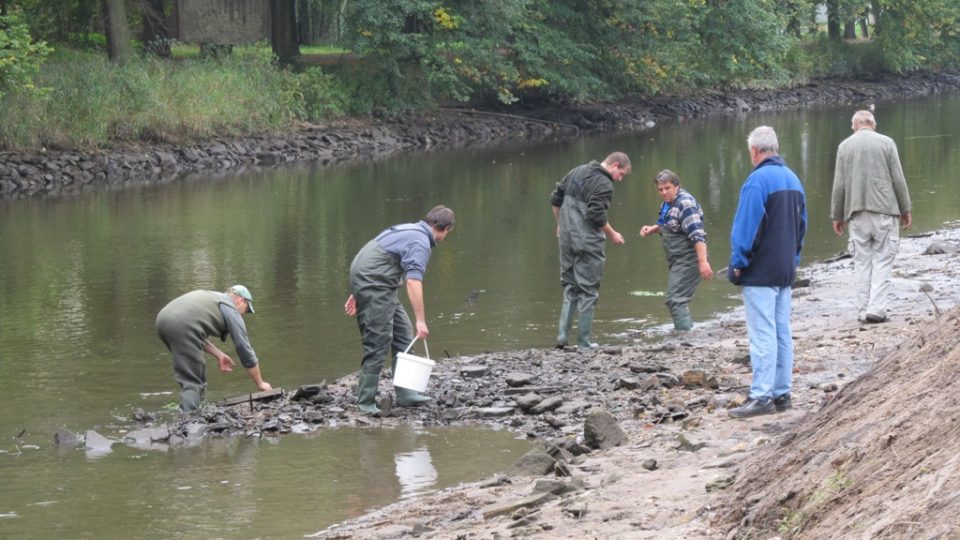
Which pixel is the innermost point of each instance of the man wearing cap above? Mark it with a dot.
(397, 254)
(185, 325)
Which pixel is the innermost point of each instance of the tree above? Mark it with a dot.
(154, 33)
(283, 30)
(20, 57)
(119, 48)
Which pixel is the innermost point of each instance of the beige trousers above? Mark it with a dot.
(875, 240)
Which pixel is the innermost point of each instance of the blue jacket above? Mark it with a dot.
(768, 228)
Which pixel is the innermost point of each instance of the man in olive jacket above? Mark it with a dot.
(870, 194)
(185, 326)
(580, 203)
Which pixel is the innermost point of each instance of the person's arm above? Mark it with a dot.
(248, 357)
(647, 230)
(705, 270)
(838, 227)
(258, 381)
(223, 360)
(612, 234)
(415, 294)
(350, 307)
(556, 217)
(906, 220)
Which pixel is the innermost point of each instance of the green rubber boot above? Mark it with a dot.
(367, 393)
(407, 397)
(683, 324)
(567, 310)
(585, 326)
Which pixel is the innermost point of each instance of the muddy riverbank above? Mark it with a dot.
(55, 172)
(685, 469)
(635, 441)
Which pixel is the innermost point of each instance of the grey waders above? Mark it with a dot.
(683, 279)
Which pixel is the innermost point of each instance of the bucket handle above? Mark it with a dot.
(410, 346)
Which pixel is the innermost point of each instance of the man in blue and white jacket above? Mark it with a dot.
(765, 242)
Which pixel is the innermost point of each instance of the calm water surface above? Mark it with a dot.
(82, 279)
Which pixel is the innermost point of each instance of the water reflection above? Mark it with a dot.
(81, 281)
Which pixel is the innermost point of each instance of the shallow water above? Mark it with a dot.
(82, 279)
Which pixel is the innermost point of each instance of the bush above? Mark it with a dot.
(20, 57)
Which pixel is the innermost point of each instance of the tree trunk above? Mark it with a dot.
(833, 20)
(155, 35)
(119, 48)
(864, 27)
(3, 8)
(850, 29)
(283, 30)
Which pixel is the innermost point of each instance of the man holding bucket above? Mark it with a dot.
(377, 271)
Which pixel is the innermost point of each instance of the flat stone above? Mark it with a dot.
(474, 372)
(496, 412)
(517, 379)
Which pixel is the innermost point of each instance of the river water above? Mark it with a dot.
(82, 279)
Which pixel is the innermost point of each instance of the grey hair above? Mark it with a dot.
(667, 175)
(764, 139)
(863, 118)
(441, 218)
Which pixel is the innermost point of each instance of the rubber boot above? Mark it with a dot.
(367, 393)
(407, 397)
(190, 399)
(585, 327)
(567, 310)
(683, 323)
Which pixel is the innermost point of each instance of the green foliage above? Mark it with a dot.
(324, 96)
(20, 57)
(93, 102)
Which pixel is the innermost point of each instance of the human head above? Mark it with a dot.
(241, 294)
(617, 164)
(762, 143)
(863, 119)
(668, 185)
(442, 220)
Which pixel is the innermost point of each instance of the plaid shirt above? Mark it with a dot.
(683, 215)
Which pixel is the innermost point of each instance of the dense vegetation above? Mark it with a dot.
(58, 87)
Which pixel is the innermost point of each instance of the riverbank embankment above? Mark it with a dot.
(56, 173)
(635, 441)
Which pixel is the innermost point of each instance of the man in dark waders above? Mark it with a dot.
(396, 254)
(580, 203)
(185, 326)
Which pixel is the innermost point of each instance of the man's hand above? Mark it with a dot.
(422, 330)
(706, 271)
(616, 238)
(226, 363)
(906, 220)
(838, 227)
(264, 386)
(350, 307)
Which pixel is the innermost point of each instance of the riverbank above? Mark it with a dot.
(636, 441)
(59, 173)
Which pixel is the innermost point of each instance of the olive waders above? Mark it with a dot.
(375, 279)
(581, 267)
(183, 325)
(683, 278)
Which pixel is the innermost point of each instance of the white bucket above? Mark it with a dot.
(413, 372)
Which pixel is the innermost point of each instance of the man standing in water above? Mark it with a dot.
(685, 244)
(185, 326)
(397, 254)
(580, 204)
(765, 242)
(870, 194)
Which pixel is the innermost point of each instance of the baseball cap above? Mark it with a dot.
(243, 292)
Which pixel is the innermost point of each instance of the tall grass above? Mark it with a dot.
(91, 102)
